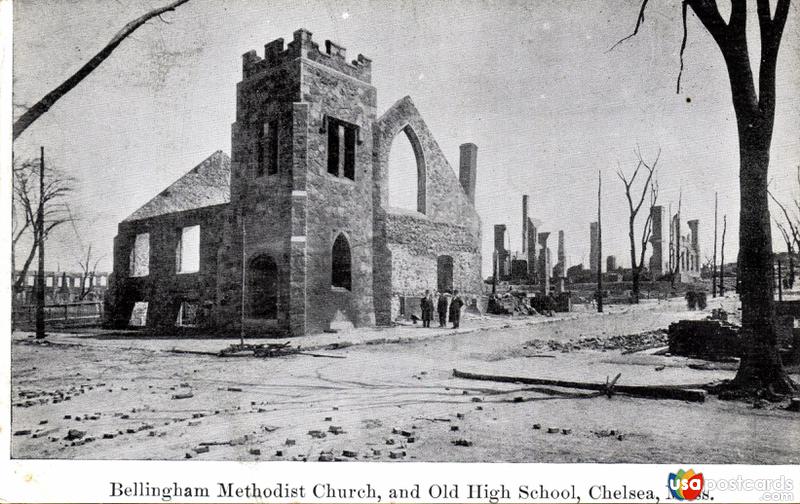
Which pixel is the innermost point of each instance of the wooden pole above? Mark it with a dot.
(651, 391)
(40, 334)
(714, 265)
(722, 257)
(599, 247)
(244, 274)
(780, 281)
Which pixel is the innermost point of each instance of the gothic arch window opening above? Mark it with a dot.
(341, 263)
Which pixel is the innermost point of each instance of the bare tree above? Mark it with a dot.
(789, 251)
(26, 199)
(635, 203)
(760, 367)
(43, 105)
(88, 266)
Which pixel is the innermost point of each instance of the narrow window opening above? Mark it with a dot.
(261, 150)
(333, 148)
(350, 153)
(272, 169)
(342, 140)
(341, 263)
(139, 261)
(187, 251)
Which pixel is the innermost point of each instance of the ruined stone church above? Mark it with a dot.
(293, 234)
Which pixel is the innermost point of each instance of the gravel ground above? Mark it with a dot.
(391, 398)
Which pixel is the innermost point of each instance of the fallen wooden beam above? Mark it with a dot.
(646, 391)
(322, 355)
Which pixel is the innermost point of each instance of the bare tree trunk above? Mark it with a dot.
(761, 365)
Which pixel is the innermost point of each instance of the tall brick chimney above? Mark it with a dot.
(467, 169)
(524, 223)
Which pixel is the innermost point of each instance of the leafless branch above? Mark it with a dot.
(43, 105)
(639, 21)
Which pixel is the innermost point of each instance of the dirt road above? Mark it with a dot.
(92, 398)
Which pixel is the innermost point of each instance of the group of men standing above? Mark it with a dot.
(444, 303)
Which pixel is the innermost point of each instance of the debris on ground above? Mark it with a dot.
(510, 303)
(627, 343)
(704, 339)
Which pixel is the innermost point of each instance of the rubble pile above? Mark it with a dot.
(510, 303)
(627, 343)
(704, 339)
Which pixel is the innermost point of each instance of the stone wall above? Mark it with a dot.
(408, 243)
(259, 217)
(337, 205)
(164, 289)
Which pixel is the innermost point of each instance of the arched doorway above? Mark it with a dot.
(444, 273)
(262, 287)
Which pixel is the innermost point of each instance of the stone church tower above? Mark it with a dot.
(300, 218)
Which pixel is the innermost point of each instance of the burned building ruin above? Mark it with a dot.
(672, 251)
(293, 234)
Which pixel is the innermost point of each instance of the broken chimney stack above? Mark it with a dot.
(467, 169)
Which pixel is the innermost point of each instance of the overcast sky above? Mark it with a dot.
(531, 83)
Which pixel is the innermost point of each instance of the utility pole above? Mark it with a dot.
(780, 281)
(40, 334)
(244, 274)
(722, 257)
(714, 266)
(599, 248)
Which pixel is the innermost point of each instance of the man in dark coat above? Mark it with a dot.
(441, 307)
(426, 306)
(455, 309)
